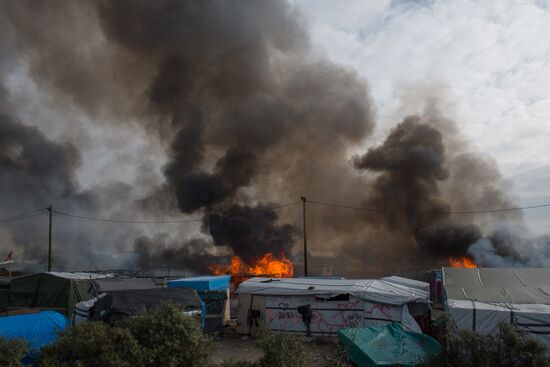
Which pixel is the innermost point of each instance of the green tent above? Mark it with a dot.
(388, 345)
(53, 291)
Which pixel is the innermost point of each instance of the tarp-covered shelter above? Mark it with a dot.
(208, 287)
(37, 329)
(324, 306)
(479, 299)
(116, 305)
(54, 291)
(389, 345)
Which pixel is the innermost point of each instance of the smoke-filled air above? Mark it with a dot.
(228, 116)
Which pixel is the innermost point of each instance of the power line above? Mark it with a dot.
(377, 210)
(23, 216)
(124, 221)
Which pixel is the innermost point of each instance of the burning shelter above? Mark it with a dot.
(479, 299)
(322, 306)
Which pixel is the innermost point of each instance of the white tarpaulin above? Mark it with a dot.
(385, 290)
(334, 303)
(485, 317)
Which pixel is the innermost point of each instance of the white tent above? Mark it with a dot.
(480, 299)
(334, 303)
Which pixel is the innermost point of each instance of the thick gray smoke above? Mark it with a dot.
(247, 116)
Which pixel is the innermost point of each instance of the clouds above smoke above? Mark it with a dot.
(489, 62)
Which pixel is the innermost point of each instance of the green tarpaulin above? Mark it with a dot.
(387, 346)
(56, 291)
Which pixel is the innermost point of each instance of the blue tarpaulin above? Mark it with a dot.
(387, 346)
(204, 283)
(36, 329)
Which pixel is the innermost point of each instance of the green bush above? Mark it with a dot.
(281, 349)
(93, 344)
(169, 338)
(509, 348)
(12, 351)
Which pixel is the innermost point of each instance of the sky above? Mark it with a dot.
(486, 62)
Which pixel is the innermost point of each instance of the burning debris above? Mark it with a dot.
(462, 262)
(247, 115)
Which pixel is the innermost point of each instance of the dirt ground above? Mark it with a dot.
(325, 351)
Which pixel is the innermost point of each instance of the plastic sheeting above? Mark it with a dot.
(387, 346)
(485, 317)
(498, 285)
(37, 329)
(386, 291)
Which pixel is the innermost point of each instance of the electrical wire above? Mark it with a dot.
(126, 221)
(23, 216)
(109, 220)
(377, 210)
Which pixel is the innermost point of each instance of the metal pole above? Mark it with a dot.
(304, 200)
(50, 239)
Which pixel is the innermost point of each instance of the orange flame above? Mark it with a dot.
(266, 265)
(462, 262)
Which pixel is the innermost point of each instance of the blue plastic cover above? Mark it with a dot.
(204, 283)
(388, 345)
(37, 329)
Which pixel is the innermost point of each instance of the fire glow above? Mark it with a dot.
(267, 265)
(462, 262)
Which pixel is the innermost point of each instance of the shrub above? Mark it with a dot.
(282, 350)
(12, 351)
(169, 338)
(509, 348)
(93, 344)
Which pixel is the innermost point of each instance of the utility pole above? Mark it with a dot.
(304, 200)
(50, 210)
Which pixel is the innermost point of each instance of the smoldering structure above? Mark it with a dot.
(249, 118)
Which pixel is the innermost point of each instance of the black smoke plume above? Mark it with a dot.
(245, 114)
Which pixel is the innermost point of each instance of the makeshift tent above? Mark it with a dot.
(53, 290)
(81, 311)
(480, 299)
(116, 305)
(36, 329)
(324, 306)
(208, 288)
(389, 345)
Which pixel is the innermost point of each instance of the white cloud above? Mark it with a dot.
(492, 57)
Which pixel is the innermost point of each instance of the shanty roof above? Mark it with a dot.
(498, 285)
(384, 290)
(77, 275)
(119, 284)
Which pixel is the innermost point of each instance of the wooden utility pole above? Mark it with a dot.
(304, 200)
(50, 210)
